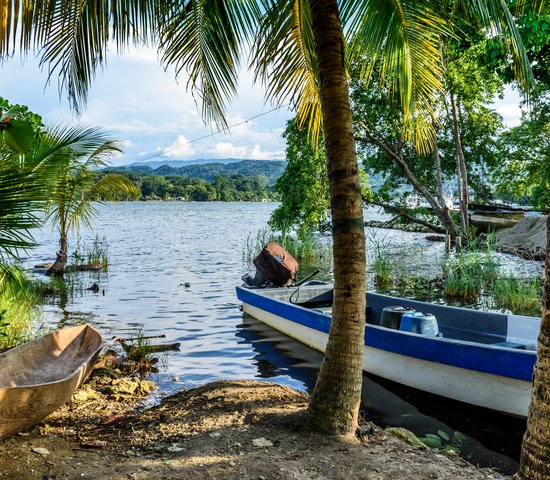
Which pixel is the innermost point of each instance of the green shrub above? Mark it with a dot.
(19, 308)
(518, 295)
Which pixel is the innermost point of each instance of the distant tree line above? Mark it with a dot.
(224, 188)
(270, 169)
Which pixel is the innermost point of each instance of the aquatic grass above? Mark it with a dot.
(383, 264)
(521, 296)
(91, 256)
(462, 276)
(304, 246)
(19, 308)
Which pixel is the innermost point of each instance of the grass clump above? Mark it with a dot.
(19, 308)
(463, 277)
(92, 256)
(519, 295)
(303, 246)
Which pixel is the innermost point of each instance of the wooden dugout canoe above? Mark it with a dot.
(38, 377)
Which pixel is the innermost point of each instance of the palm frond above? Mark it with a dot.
(496, 18)
(284, 54)
(205, 39)
(73, 37)
(401, 38)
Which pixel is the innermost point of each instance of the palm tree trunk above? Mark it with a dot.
(58, 268)
(334, 404)
(535, 450)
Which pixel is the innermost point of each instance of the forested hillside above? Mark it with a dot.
(270, 169)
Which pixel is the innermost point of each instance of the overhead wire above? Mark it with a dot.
(189, 142)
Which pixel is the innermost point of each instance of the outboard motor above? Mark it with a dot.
(275, 267)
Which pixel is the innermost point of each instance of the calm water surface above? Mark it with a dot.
(156, 248)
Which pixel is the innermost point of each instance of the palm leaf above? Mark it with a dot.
(205, 39)
(400, 38)
(284, 54)
(73, 37)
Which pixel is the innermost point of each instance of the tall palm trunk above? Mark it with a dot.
(58, 267)
(335, 400)
(535, 450)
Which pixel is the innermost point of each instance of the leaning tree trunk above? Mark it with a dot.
(535, 450)
(58, 267)
(334, 404)
(461, 169)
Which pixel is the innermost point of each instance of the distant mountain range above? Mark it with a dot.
(208, 169)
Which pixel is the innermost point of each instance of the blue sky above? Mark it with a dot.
(152, 114)
(134, 100)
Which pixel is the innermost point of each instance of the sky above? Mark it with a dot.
(156, 118)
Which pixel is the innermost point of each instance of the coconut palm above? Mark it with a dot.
(299, 54)
(76, 185)
(535, 450)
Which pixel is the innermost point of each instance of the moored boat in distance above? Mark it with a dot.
(481, 358)
(38, 377)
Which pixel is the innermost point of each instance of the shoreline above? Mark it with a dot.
(224, 429)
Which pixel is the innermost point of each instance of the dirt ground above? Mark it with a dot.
(222, 430)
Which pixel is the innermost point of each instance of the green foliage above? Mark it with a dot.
(519, 295)
(304, 246)
(303, 187)
(442, 441)
(225, 188)
(525, 151)
(18, 126)
(19, 308)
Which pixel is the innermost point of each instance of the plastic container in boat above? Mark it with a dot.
(418, 322)
(391, 316)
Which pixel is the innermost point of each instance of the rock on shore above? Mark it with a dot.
(526, 238)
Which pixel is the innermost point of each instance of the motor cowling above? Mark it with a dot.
(274, 267)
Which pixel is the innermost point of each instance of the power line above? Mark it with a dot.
(212, 134)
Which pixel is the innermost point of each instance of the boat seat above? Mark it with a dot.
(517, 346)
(370, 317)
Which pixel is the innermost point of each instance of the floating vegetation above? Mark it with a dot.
(90, 257)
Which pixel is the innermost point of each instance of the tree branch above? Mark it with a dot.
(408, 216)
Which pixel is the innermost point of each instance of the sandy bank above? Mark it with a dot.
(526, 238)
(223, 430)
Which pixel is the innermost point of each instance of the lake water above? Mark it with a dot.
(155, 249)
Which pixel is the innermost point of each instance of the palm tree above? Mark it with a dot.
(299, 54)
(75, 185)
(535, 450)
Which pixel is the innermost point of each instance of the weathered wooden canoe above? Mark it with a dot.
(38, 377)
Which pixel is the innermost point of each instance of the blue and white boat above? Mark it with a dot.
(481, 358)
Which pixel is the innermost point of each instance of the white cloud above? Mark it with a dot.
(179, 149)
(511, 114)
(229, 150)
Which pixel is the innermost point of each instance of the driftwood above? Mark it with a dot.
(38, 377)
(147, 349)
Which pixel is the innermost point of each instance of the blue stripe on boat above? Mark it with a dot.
(482, 358)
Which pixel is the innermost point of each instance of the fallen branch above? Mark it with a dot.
(408, 216)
